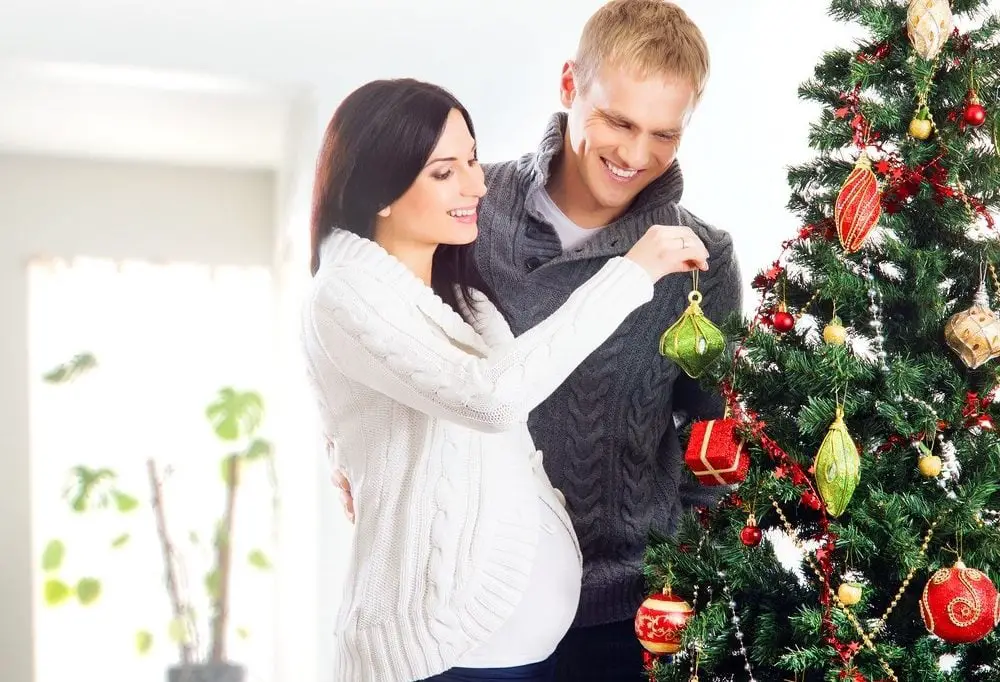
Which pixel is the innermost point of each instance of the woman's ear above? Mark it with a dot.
(385, 212)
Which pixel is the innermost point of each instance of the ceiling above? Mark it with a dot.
(107, 77)
(134, 114)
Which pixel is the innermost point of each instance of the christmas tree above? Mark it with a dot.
(859, 431)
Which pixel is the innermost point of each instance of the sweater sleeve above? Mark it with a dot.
(377, 338)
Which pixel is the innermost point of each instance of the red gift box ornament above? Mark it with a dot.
(660, 622)
(715, 453)
(960, 605)
(859, 205)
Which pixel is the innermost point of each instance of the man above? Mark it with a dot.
(604, 173)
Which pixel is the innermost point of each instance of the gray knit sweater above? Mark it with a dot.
(609, 432)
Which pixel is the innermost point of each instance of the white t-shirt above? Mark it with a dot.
(570, 234)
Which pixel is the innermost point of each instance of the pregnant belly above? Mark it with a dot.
(547, 609)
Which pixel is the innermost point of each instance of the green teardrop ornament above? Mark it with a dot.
(837, 467)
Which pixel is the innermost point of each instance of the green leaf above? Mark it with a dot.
(67, 371)
(56, 592)
(258, 449)
(120, 540)
(213, 584)
(235, 413)
(259, 560)
(177, 631)
(88, 590)
(143, 641)
(86, 484)
(242, 633)
(124, 502)
(53, 555)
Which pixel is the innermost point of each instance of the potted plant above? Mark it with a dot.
(235, 418)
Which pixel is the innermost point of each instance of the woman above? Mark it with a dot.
(464, 565)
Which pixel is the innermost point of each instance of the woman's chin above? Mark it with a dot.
(465, 234)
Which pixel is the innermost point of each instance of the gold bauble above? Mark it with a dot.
(974, 334)
(928, 25)
(834, 333)
(849, 594)
(930, 466)
(920, 128)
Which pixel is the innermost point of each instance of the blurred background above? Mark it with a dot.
(156, 164)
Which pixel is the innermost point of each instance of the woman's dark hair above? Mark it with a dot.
(375, 146)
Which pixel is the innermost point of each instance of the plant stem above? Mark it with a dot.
(223, 548)
(178, 607)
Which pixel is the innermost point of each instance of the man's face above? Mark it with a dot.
(624, 131)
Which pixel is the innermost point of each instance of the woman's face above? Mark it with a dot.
(440, 206)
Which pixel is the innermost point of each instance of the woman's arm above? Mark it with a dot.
(376, 337)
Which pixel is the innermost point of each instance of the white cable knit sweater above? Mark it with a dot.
(429, 417)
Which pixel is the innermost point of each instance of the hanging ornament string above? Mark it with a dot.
(996, 280)
(922, 131)
(875, 311)
(731, 602)
(694, 669)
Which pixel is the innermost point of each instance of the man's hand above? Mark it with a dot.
(340, 481)
(666, 249)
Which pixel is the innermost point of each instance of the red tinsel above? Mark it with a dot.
(880, 52)
(904, 182)
(976, 408)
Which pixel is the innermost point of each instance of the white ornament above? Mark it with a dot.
(929, 24)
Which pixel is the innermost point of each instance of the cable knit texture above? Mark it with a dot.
(429, 416)
(609, 432)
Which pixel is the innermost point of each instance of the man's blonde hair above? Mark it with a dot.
(645, 38)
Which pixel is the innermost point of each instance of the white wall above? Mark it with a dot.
(65, 207)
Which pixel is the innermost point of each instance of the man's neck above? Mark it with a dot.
(568, 191)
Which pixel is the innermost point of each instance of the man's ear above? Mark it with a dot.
(567, 84)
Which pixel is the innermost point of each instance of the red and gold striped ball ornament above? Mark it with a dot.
(960, 605)
(660, 622)
(859, 206)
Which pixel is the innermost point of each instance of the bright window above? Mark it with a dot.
(166, 338)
